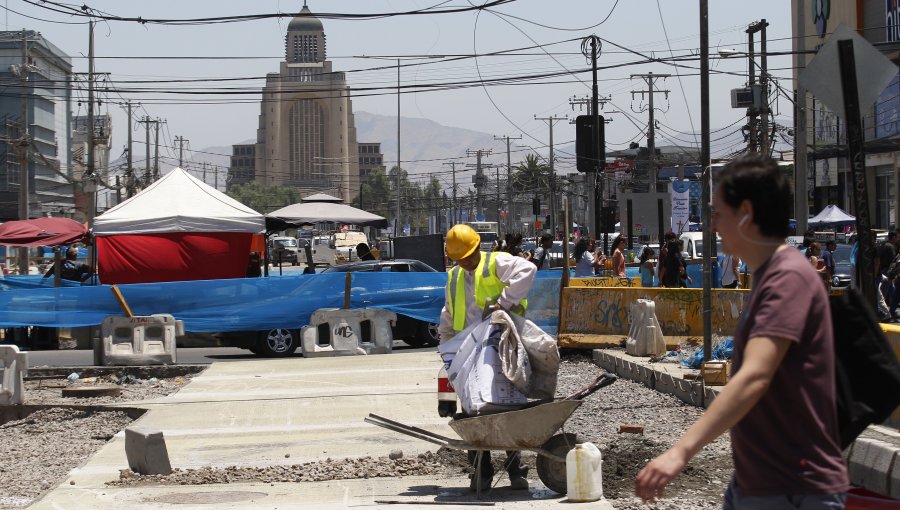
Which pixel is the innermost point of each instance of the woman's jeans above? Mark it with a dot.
(783, 501)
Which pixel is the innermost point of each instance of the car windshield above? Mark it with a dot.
(842, 254)
(699, 245)
(488, 237)
(286, 243)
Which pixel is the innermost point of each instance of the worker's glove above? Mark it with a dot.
(446, 408)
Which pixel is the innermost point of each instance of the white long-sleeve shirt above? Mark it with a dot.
(517, 272)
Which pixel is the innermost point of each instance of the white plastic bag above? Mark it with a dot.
(476, 373)
(530, 357)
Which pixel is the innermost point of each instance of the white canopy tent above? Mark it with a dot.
(832, 215)
(179, 202)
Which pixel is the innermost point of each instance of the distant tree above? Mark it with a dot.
(530, 176)
(264, 199)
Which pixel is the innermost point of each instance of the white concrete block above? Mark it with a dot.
(340, 332)
(141, 340)
(870, 462)
(145, 450)
(14, 364)
(644, 333)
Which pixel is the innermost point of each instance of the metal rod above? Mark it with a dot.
(708, 239)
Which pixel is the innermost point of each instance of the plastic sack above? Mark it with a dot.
(529, 356)
(475, 371)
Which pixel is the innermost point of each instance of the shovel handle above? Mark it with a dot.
(602, 380)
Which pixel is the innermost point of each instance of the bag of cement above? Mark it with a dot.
(529, 356)
(476, 373)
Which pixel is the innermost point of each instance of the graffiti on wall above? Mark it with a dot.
(605, 311)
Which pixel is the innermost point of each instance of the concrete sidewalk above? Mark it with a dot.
(256, 413)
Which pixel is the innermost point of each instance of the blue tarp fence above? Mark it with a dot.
(247, 303)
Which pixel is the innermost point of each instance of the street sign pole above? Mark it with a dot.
(865, 264)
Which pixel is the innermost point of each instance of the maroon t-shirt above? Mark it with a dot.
(788, 442)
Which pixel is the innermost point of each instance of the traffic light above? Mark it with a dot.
(586, 143)
(536, 206)
(608, 218)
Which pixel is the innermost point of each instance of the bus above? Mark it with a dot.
(489, 232)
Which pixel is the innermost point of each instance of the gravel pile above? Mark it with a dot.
(40, 450)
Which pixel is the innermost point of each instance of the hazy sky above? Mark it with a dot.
(656, 29)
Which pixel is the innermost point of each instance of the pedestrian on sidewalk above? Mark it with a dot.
(478, 284)
(780, 402)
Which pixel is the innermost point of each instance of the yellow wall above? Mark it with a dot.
(893, 335)
(604, 311)
(605, 281)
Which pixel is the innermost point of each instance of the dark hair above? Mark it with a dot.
(512, 242)
(580, 247)
(72, 253)
(619, 239)
(668, 236)
(813, 249)
(759, 180)
(546, 237)
(646, 253)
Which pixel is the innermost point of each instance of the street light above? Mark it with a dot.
(398, 59)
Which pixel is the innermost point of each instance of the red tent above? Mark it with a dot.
(42, 232)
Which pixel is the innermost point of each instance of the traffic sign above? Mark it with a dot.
(479, 217)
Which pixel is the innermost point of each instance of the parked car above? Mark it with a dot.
(284, 249)
(842, 267)
(412, 331)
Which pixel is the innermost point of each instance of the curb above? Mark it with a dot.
(141, 371)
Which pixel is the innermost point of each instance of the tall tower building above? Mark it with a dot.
(306, 137)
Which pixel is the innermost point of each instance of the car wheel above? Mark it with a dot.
(427, 334)
(277, 343)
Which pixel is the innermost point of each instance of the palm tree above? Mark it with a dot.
(530, 176)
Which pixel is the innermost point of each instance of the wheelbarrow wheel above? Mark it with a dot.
(551, 471)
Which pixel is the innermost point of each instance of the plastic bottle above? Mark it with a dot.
(584, 479)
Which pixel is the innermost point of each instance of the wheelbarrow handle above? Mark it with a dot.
(604, 379)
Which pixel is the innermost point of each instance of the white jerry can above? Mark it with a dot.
(584, 477)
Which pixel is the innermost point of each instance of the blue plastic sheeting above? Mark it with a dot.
(252, 303)
(32, 282)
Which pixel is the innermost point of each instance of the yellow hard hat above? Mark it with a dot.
(462, 240)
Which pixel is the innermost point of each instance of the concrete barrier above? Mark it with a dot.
(146, 452)
(142, 340)
(644, 335)
(14, 364)
(343, 332)
(604, 311)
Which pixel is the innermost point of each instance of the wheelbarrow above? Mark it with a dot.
(532, 427)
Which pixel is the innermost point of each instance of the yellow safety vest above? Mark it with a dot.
(487, 286)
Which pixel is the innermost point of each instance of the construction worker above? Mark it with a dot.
(480, 283)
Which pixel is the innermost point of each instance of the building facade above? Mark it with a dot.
(38, 80)
(370, 158)
(306, 137)
(828, 171)
(242, 168)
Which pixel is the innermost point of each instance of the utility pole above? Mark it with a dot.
(479, 178)
(397, 227)
(552, 183)
(89, 180)
(801, 192)
(129, 176)
(156, 154)
(23, 144)
(204, 172)
(216, 178)
(146, 179)
(650, 78)
(180, 141)
(708, 239)
(454, 211)
(509, 198)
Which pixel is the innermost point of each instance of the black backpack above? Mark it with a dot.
(867, 373)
